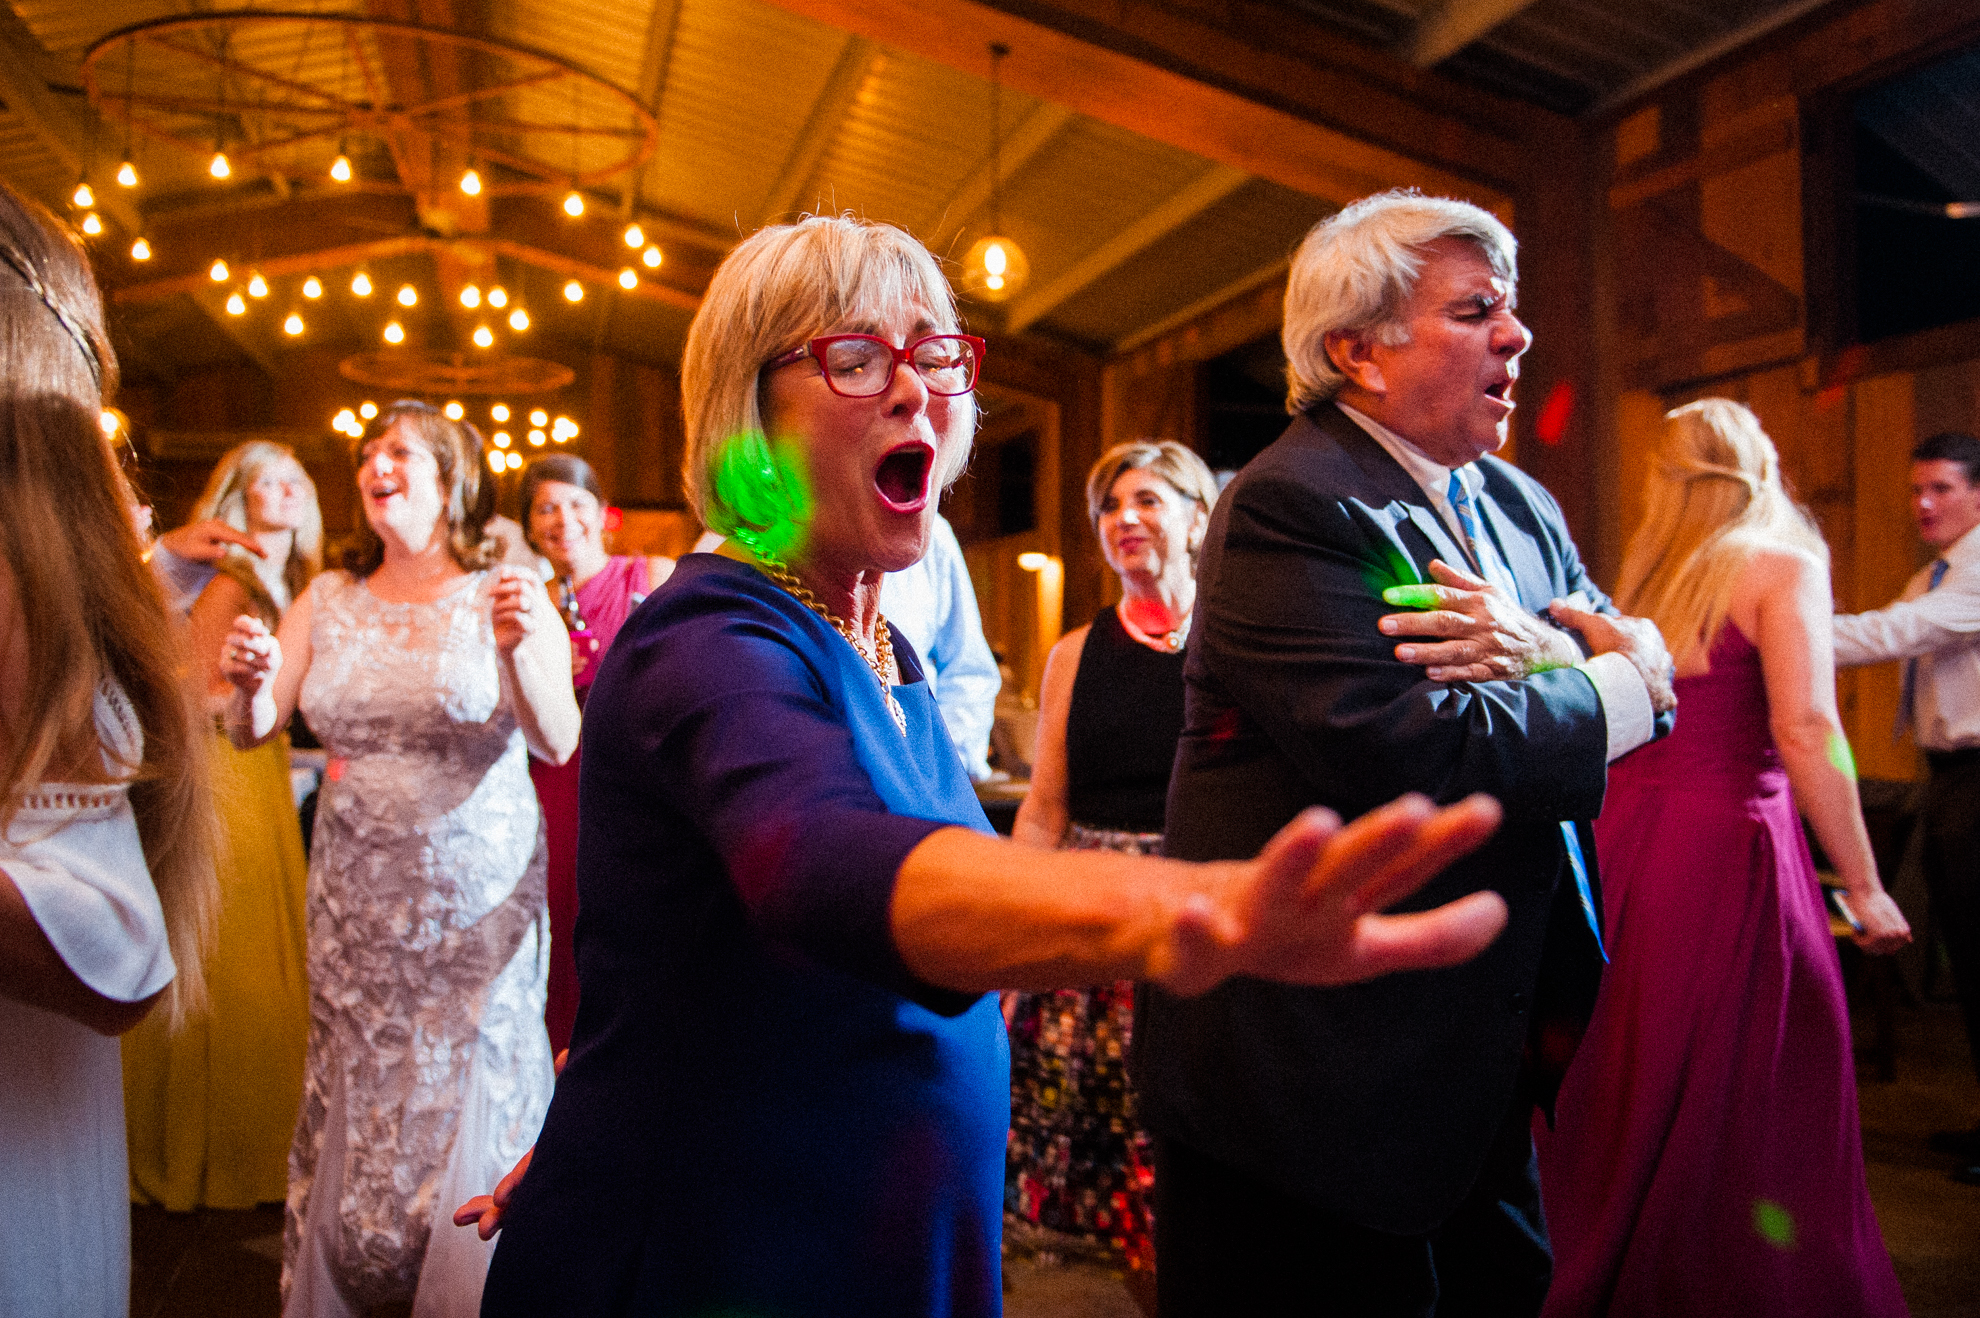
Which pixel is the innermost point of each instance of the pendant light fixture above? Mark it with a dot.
(995, 267)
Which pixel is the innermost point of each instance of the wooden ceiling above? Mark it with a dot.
(1157, 159)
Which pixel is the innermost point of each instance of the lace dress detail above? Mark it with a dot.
(428, 1070)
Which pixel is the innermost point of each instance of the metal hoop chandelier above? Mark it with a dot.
(282, 92)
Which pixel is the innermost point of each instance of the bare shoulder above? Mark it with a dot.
(658, 569)
(1772, 569)
(1068, 648)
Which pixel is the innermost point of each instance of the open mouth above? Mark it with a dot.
(1500, 392)
(903, 477)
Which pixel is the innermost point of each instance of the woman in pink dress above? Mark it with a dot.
(1706, 1157)
(564, 520)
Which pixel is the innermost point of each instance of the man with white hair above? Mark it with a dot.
(1366, 1150)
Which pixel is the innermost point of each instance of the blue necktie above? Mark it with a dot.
(1910, 690)
(1487, 564)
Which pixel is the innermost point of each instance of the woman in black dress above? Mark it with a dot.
(1079, 1173)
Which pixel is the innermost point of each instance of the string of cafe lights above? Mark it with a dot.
(503, 455)
(342, 171)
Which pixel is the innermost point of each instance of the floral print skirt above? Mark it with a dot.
(1079, 1173)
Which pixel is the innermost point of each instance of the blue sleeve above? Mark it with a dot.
(967, 680)
(725, 712)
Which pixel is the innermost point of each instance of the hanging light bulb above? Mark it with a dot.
(395, 332)
(236, 304)
(574, 204)
(563, 428)
(312, 288)
(340, 168)
(127, 175)
(499, 413)
(220, 166)
(501, 438)
(361, 284)
(257, 286)
(498, 297)
(537, 439)
(367, 409)
(651, 256)
(217, 272)
(995, 267)
(454, 411)
(628, 279)
(635, 236)
(91, 225)
(484, 337)
(140, 250)
(539, 418)
(109, 421)
(470, 297)
(574, 291)
(498, 461)
(471, 183)
(408, 295)
(83, 198)
(293, 325)
(344, 421)
(518, 320)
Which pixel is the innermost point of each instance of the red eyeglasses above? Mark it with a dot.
(862, 365)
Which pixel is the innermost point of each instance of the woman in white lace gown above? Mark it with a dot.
(429, 678)
(106, 874)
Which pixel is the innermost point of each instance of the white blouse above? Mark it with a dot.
(73, 851)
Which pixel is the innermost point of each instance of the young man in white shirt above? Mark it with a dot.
(1934, 627)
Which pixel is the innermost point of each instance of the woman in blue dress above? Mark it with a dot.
(788, 1085)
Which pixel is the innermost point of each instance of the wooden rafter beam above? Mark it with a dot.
(1199, 195)
(1032, 135)
(66, 130)
(662, 30)
(1454, 24)
(1247, 128)
(857, 62)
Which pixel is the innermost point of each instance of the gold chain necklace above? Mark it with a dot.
(881, 661)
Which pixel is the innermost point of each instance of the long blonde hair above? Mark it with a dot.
(90, 608)
(1715, 496)
(225, 498)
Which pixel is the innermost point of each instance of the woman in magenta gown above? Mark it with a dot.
(564, 520)
(1706, 1157)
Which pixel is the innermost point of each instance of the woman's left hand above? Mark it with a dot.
(1885, 929)
(1306, 910)
(519, 603)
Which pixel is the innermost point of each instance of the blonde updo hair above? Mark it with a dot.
(783, 285)
(1175, 463)
(1715, 496)
(225, 499)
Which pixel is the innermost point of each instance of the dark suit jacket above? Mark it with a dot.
(1377, 1101)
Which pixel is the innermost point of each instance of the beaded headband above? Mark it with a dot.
(84, 344)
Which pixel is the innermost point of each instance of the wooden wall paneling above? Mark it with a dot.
(1885, 427)
(1639, 424)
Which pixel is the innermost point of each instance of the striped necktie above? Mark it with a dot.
(1908, 696)
(1486, 560)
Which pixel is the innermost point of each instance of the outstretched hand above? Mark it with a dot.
(1476, 632)
(208, 541)
(1306, 911)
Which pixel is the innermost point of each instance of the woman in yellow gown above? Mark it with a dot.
(210, 1109)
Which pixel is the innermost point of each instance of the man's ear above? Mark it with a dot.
(1352, 353)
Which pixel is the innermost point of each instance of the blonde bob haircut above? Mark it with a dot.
(1175, 463)
(89, 609)
(783, 285)
(1356, 269)
(1715, 496)
(225, 498)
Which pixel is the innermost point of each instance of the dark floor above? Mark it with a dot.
(215, 1264)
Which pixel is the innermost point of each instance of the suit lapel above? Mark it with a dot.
(1388, 482)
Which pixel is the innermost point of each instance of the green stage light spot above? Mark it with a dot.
(1773, 1223)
